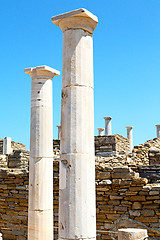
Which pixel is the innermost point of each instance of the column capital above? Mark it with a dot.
(157, 125)
(58, 126)
(130, 127)
(101, 129)
(107, 118)
(77, 19)
(43, 71)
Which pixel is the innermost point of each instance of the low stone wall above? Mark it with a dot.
(14, 202)
(154, 156)
(14, 145)
(18, 159)
(123, 200)
(126, 200)
(105, 145)
(18, 146)
(112, 144)
(146, 154)
(3, 161)
(151, 172)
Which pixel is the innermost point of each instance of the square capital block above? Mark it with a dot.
(77, 19)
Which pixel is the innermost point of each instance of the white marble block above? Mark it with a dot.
(7, 149)
(132, 234)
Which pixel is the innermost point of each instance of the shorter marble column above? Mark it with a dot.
(100, 131)
(130, 138)
(59, 132)
(7, 149)
(132, 234)
(108, 129)
(158, 131)
(40, 206)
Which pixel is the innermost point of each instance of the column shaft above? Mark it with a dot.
(108, 129)
(59, 132)
(40, 212)
(77, 210)
(7, 149)
(100, 131)
(130, 138)
(158, 131)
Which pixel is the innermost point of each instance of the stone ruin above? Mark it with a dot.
(127, 188)
(127, 182)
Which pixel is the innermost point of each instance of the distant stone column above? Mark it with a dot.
(77, 209)
(100, 131)
(40, 211)
(108, 129)
(7, 149)
(158, 131)
(59, 132)
(132, 234)
(130, 138)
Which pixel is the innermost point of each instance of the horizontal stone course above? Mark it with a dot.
(123, 196)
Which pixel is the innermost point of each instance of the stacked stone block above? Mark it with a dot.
(18, 159)
(125, 198)
(13, 204)
(112, 144)
(56, 144)
(14, 145)
(18, 146)
(3, 161)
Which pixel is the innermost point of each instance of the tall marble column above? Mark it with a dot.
(77, 209)
(108, 129)
(132, 234)
(130, 138)
(158, 131)
(7, 149)
(40, 211)
(100, 131)
(59, 132)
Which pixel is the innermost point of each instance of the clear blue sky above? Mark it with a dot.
(126, 62)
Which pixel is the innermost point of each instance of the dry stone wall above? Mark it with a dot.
(18, 159)
(3, 161)
(106, 145)
(125, 198)
(112, 144)
(14, 202)
(14, 145)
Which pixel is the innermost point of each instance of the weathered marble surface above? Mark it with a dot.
(108, 128)
(158, 131)
(100, 131)
(7, 149)
(130, 138)
(77, 215)
(40, 211)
